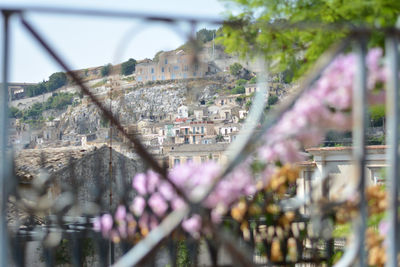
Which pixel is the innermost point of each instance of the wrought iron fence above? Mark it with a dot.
(62, 236)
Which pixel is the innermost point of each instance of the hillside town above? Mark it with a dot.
(182, 111)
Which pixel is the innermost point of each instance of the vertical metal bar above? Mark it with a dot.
(359, 127)
(392, 115)
(3, 143)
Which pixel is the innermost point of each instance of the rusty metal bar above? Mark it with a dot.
(359, 130)
(4, 166)
(392, 116)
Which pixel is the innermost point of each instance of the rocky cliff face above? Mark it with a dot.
(132, 104)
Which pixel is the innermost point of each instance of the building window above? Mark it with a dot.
(194, 139)
(189, 159)
(186, 131)
(194, 73)
(194, 129)
(163, 77)
(153, 78)
(166, 61)
(139, 78)
(162, 69)
(177, 161)
(152, 70)
(196, 67)
(202, 129)
(176, 67)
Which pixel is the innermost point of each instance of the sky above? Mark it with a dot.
(88, 41)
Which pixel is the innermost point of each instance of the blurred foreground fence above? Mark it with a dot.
(71, 239)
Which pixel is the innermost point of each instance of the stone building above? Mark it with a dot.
(17, 90)
(197, 153)
(172, 65)
(336, 164)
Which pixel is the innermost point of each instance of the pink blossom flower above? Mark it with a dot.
(158, 204)
(166, 190)
(192, 225)
(177, 203)
(139, 183)
(106, 224)
(138, 206)
(152, 181)
(120, 214)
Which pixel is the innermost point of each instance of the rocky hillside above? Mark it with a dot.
(130, 104)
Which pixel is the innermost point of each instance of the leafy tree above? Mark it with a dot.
(205, 35)
(241, 82)
(295, 49)
(253, 80)
(128, 67)
(238, 90)
(59, 101)
(239, 100)
(235, 69)
(56, 80)
(105, 70)
(35, 111)
(36, 89)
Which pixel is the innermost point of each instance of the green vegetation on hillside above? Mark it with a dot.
(235, 69)
(56, 80)
(205, 35)
(128, 67)
(58, 101)
(105, 70)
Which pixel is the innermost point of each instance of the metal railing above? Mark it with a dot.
(241, 149)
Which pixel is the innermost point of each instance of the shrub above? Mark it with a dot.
(241, 82)
(253, 80)
(105, 70)
(238, 90)
(205, 35)
(56, 80)
(235, 69)
(128, 67)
